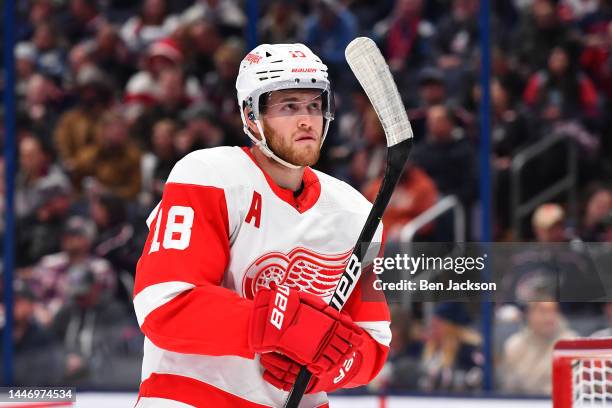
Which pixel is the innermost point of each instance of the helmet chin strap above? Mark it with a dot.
(263, 146)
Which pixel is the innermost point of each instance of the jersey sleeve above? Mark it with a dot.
(178, 298)
(369, 310)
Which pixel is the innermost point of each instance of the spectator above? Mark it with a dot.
(369, 167)
(595, 60)
(117, 240)
(510, 127)
(51, 57)
(226, 13)
(152, 24)
(171, 100)
(358, 165)
(447, 157)
(281, 24)
(559, 271)
(350, 121)
(38, 12)
(89, 325)
(156, 165)
(38, 356)
(142, 86)
(75, 129)
(80, 56)
(575, 10)
(402, 369)
(39, 233)
(36, 172)
(219, 86)
(510, 133)
(328, 31)
(83, 21)
(527, 355)
(345, 147)
(562, 101)
(204, 40)
(40, 110)
(51, 275)
(172, 96)
(535, 270)
(25, 66)
(504, 68)
(561, 92)
(113, 160)
(548, 222)
(596, 54)
(111, 54)
(203, 130)
(596, 21)
(406, 35)
(414, 194)
(432, 91)
(349, 124)
(144, 89)
(539, 33)
(451, 359)
(456, 42)
(432, 88)
(598, 208)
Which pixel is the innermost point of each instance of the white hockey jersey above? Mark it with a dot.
(223, 230)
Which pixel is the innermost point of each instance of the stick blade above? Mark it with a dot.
(372, 72)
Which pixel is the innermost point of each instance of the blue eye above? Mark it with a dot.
(315, 107)
(290, 107)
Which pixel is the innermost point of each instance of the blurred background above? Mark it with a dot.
(109, 94)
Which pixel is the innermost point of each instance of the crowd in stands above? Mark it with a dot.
(111, 93)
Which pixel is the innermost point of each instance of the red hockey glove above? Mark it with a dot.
(302, 327)
(281, 372)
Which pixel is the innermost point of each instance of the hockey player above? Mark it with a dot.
(244, 252)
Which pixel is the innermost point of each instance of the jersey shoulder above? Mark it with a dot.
(221, 167)
(344, 198)
(342, 194)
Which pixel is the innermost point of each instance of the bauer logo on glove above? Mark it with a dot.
(280, 305)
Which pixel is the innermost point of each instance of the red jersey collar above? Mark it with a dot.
(307, 198)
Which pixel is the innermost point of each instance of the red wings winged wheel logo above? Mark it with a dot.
(301, 269)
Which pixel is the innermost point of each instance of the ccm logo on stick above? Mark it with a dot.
(280, 305)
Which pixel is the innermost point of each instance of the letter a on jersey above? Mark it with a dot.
(254, 210)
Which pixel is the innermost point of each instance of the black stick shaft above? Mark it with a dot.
(396, 159)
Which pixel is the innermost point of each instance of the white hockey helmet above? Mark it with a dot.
(275, 67)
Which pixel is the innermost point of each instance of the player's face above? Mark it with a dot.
(293, 125)
(543, 318)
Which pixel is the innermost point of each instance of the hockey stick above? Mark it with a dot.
(370, 68)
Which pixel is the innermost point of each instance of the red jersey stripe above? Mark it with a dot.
(192, 392)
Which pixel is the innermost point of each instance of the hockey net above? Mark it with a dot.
(582, 373)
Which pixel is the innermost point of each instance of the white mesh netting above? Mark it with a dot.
(592, 382)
